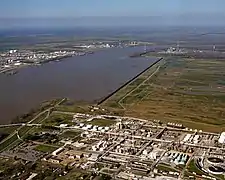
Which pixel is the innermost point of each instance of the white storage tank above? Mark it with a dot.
(222, 138)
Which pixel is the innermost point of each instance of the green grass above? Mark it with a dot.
(70, 134)
(102, 122)
(76, 174)
(6, 144)
(13, 141)
(40, 118)
(22, 131)
(55, 119)
(45, 148)
(219, 176)
(183, 90)
(72, 108)
(165, 168)
(193, 168)
(4, 163)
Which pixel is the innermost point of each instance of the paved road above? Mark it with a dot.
(10, 125)
(29, 124)
(65, 112)
(16, 131)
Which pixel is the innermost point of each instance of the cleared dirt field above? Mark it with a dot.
(187, 91)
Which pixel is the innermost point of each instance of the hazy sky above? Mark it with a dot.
(77, 8)
(87, 12)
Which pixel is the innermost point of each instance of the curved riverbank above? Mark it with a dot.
(80, 78)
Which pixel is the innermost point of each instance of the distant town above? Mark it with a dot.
(166, 122)
(112, 90)
(15, 58)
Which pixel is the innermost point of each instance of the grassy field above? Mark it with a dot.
(165, 168)
(45, 148)
(76, 174)
(55, 119)
(102, 122)
(71, 106)
(40, 118)
(22, 132)
(187, 91)
(11, 141)
(70, 134)
(193, 168)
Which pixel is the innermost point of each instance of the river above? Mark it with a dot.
(81, 78)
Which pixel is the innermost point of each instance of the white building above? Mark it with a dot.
(187, 138)
(63, 125)
(222, 138)
(57, 151)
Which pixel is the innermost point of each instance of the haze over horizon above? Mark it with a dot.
(72, 13)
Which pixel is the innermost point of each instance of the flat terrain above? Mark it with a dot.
(188, 91)
(45, 148)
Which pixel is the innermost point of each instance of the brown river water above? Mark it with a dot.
(81, 78)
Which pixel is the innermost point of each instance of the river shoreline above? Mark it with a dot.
(16, 68)
(128, 82)
(79, 78)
